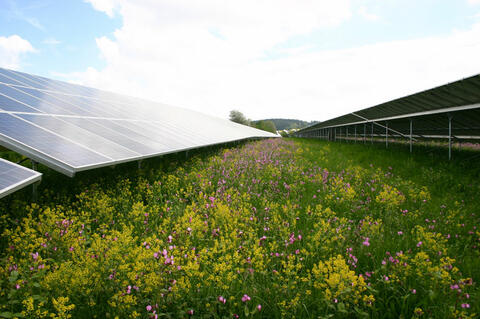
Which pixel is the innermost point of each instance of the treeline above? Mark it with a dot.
(266, 125)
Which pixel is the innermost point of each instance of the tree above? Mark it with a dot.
(238, 117)
(268, 126)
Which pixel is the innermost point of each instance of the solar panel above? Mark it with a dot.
(429, 111)
(71, 128)
(14, 177)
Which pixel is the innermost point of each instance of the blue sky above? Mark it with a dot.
(62, 32)
(257, 56)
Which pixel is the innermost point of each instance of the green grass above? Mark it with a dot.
(304, 228)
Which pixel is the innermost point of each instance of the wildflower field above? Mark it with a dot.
(274, 228)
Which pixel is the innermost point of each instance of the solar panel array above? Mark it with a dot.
(451, 108)
(71, 128)
(13, 177)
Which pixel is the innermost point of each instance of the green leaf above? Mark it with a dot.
(247, 312)
(6, 314)
(341, 307)
(13, 276)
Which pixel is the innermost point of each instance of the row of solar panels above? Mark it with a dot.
(71, 128)
(428, 110)
(13, 177)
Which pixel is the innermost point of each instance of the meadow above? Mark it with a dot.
(270, 229)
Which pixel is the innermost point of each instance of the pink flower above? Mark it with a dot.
(190, 312)
(259, 307)
(465, 305)
(222, 299)
(414, 291)
(246, 298)
(17, 286)
(400, 232)
(149, 308)
(365, 242)
(419, 244)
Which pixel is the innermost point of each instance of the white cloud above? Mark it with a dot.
(165, 52)
(474, 2)
(12, 48)
(364, 13)
(106, 6)
(51, 41)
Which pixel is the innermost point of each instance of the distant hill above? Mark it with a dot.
(288, 124)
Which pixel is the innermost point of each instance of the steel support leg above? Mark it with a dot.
(355, 134)
(364, 133)
(411, 133)
(371, 136)
(386, 134)
(34, 185)
(449, 137)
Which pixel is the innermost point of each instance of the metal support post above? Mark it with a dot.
(386, 134)
(347, 134)
(34, 185)
(449, 137)
(364, 133)
(335, 135)
(355, 134)
(371, 136)
(411, 133)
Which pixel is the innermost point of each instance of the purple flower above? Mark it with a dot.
(419, 244)
(465, 305)
(149, 308)
(246, 298)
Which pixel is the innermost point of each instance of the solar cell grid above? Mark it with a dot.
(72, 128)
(14, 177)
(428, 109)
